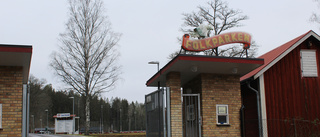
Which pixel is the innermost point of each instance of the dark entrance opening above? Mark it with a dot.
(191, 115)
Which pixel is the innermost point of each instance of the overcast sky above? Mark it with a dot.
(149, 32)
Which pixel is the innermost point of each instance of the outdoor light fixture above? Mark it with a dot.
(309, 45)
(234, 70)
(154, 62)
(194, 68)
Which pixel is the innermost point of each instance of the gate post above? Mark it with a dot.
(174, 83)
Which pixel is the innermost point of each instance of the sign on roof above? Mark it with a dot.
(61, 115)
(216, 41)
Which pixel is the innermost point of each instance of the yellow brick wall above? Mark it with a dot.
(174, 82)
(11, 100)
(214, 89)
(220, 89)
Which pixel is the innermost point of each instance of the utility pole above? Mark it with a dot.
(47, 119)
(102, 118)
(73, 120)
(120, 122)
(32, 123)
(41, 124)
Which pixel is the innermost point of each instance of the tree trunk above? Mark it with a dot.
(87, 109)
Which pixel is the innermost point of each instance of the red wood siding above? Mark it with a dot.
(292, 102)
(249, 100)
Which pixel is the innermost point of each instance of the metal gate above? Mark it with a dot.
(191, 115)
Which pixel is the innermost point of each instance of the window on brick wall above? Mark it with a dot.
(222, 114)
(309, 67)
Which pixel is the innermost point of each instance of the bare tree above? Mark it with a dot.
(87, 57)
(315, 17)
(220, 17)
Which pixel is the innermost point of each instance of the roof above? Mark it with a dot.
(190, 66)
(17, 55)
(273, 56)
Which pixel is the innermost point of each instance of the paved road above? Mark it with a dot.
(43, 135)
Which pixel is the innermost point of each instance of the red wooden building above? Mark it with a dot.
(287, 89)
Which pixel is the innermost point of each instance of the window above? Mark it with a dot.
(309, 66)
(222, 114)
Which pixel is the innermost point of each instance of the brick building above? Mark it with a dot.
(276, 94)
(14, 71)
(204, 94)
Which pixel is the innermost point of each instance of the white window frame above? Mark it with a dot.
(309, 65)
(222, 112)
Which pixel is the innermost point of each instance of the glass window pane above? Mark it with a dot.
(222, 119)
(222, 110)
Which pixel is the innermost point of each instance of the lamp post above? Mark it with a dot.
(120, 122)
(154, 62)
(32, 123)
(41, 124)
(47, 118)
(73, 115)
(135, 120)
(102, 119)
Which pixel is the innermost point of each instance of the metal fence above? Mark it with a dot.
(155, 114)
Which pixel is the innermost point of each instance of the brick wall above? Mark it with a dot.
(214, 89)
(220, 89)
(174, 82)
(11, 100)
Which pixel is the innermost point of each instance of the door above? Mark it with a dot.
(191, 115)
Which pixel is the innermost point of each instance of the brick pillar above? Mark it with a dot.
(220, 89)
(174, 82)
(11, 100)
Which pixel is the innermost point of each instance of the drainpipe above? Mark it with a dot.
(28, 108)
(168, 112)
(258, 107)
(242, 121)
(25, 110)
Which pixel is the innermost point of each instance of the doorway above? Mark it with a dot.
(191, 115)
